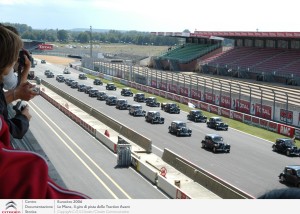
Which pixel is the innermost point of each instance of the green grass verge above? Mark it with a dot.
(259, 132)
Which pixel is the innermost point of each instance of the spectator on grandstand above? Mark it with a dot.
(10, 45)
(23, 174)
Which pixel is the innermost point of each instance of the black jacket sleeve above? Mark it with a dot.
(19, 124)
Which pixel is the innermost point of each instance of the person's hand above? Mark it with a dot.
(26, 113)
(24, 91)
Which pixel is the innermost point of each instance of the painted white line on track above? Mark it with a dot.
(82, 161)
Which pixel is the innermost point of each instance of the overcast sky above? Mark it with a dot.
(155, 15)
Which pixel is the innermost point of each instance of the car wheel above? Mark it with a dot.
(152, 121)
(298, 185)
(203, 145)
(282, 179)
(177, 133)
(214, 150)
(288, 153)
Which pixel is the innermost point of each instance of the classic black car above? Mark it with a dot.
(126, 92)
(74, 84)
(139, 97)
(69, 82)
(217, 123)
(171, 108)
(93, 92)
(215, 143)
(47, 72)
(81, 87)
(97, 81)
(60, 78)
(286, 146)
(291, 175)
(151, 101)
(179, 128)
(101, 95)
(154, 117)
(87, 89)
(82, 76)
(50, 75)
(43, 61)
(122, 104)
(111, 86)
(111, 100)
(197, 116)
(136, 110)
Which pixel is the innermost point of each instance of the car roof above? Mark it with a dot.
(194, 110)
(177, 121)
(215, 117)
(136, 105)
(152, 111)
(121, 99)
(296, 167)
(284, 139)
(213, 135)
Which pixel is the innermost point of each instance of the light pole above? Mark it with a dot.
(274, 103)
(91, 43)
(261, 100)
(287, 105)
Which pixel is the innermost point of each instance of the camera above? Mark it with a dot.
(20, 106)
(36, 89)
(21, 59)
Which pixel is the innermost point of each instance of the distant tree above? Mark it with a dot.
(62, 35)
(83, 37)
(186, 31)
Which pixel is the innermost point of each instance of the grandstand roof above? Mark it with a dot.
(231, 34)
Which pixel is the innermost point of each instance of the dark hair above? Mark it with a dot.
(10, 45)
(287, 193)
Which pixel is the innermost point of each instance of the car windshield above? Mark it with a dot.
(289, 143)
(137, 107)
(172, 105)
(156, 114)
(218, 139)
(197, 113)
(141, 95)
(218, 119)
(181, 125)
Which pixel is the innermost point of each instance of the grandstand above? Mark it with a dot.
(264, 56)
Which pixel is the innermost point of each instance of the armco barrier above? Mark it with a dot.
(204, 178)
(132, 135)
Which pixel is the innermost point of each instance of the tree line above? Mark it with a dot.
(110, 36)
